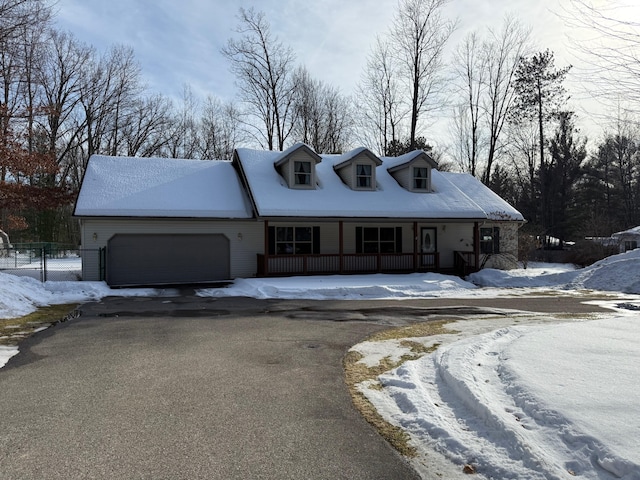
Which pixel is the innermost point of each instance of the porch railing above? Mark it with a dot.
(464, 263)
(273, 265)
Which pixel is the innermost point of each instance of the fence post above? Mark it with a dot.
(43, 252)
(102, 254)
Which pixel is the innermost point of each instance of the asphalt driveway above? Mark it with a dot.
(184, 388)
(190, 388)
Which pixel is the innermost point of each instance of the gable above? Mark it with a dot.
(297, 165)
(413, 171)
(357, 169)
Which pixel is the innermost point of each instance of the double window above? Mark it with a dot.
(378, 239)
(364, 176)
(490, 240)
(294, 240)
(420, 178)
(302, 173)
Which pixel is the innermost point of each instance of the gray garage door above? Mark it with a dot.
(164, 259)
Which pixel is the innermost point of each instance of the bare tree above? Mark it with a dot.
(110, 85)
(322, 114)
(220, 129)
(60, 75)
(381, 108)
(263, 67)
(18, 15)
(503, 52)
(146, 130)
(607, 42)
(486, 69)
(471, 67)
(419, 36)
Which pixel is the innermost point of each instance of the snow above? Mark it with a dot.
(331, 198)
(518, 395)
(161, 187)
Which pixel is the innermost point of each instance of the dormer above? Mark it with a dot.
(357, 169)
(297, 165)
(412, 170)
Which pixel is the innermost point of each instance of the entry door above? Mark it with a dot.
(428, 244)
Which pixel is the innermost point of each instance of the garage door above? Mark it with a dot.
(166, 259)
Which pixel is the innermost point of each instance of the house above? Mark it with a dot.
(265, 213)
(627, 239)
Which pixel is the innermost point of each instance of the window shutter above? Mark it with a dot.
(398, 239)
(316, 240)
(272, 240)
(358, 239)
(496, 239)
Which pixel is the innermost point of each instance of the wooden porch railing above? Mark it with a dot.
(273, 265)
(464, 263)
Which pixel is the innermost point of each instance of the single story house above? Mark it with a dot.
(627, 239)
(265, 213)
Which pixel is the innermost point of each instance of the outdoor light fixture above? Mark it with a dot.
(95, 236)
(239, 236)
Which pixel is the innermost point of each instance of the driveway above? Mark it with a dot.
(192, 388)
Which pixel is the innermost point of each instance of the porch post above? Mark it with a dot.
(266, 248)
(415, 246)
(341, 246)
(476, 244)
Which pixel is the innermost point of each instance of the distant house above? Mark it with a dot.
(266, 213)
(628, 239)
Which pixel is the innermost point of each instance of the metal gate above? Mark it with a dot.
(166, 259)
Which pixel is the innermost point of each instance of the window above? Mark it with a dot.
(294, 240)
(490, 240)
(363, 176)
(420, 178)
(630, 245)
(302, 173)
(378, 239)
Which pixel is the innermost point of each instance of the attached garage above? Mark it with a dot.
(166, 259)
(162, 221)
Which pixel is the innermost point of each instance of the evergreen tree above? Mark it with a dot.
(540, 97)
(563, 171)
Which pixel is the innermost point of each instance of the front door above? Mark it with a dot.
(428, 246)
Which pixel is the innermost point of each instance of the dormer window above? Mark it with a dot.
(363, 176)
(420, 178)
(302, 172)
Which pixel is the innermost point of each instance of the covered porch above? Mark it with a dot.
(389, 257)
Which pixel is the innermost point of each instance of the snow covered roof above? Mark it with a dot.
(161, 187)
(631, 232)
(454, 196)
(395, 163)
(340, 161)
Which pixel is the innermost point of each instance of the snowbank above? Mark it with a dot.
(532, 402)
(346, 287)
(619, 273)
(20, 296)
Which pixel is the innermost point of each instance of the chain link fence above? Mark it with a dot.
(45, 261)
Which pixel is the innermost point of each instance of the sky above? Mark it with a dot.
(179, 42)
(512, 394)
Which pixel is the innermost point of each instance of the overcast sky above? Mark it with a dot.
(178, 42)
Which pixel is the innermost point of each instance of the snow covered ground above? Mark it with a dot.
(525, 396)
